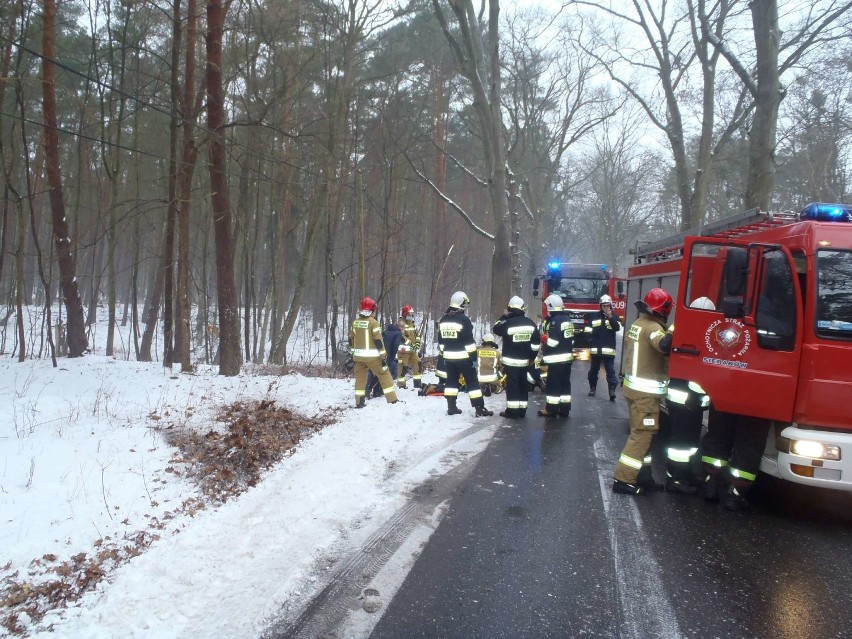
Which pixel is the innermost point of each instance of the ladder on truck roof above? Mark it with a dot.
(728, 227)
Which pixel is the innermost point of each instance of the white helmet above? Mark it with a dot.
(553, 303)
(606, 299)
(459, 300)
(704, 303)
(489, 337)
(518, 303)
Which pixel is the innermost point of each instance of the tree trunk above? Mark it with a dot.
(761, 153)
(77, 343)
(189, 157)
(229, 329)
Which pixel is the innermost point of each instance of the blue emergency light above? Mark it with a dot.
(822, 212)
(553, 266)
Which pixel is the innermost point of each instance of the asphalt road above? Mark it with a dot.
(535, 545)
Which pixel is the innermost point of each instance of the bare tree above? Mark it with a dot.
(674, 40)
(479, 63)
(77, 343)
(773, 56)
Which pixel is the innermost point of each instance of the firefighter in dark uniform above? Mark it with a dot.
(458, 350)
(557, 355)
(731, 452)
(521, 342)
(409, 350)
(645, 367)
(368, 352)
(686, 402)
(601, 333)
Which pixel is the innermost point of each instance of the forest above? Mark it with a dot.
(211, 173)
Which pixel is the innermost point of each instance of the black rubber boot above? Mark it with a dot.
(510, 413)
(711, 487)
(735, 500)
(360, 402)
(682, 486)
(481, 411)
(623, 488)
(564, 410)
(646, 480)
(591, 391)
(486, 390)
(417, 383)
(612, 393)
(452, 408)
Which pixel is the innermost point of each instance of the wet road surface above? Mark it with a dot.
(534, 544)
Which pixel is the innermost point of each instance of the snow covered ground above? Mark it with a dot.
(84, 468)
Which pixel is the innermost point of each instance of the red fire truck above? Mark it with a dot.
(580, 286)
(775, 339)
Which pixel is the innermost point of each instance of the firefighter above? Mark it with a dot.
(456, 346)
(686, 402)
(368, 351)
(645, 368)
(730, 453)
(409, 351)
(521, 343)
(558, 355)
(601, 334)
(488, 364)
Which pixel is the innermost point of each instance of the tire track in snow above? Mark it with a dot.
(329, 608)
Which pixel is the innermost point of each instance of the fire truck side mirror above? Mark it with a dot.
(535, 287)
(736, 271)
(619, 288)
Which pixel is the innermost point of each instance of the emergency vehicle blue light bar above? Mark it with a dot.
(603, 267)
(822, 212)
(553, 266)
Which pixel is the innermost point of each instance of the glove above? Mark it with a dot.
(544, 338)
(384, 364)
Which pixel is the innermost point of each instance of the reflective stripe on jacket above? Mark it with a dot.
(363, 335)
(455, 336)
(645, 361)
(559, 347)
(521, 339)
(486, 363)
(601, 333)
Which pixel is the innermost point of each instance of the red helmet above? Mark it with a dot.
(407, 310)
(368, 305)
(659, 301)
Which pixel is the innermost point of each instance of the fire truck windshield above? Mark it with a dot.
(834, 294)
(580, 289)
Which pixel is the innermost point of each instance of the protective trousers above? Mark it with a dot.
(557, 390)
(412, 361)
(735, 442)
(686, 407)
(608, 362)
(456, 367)
(644, 423)
(517, 390)
(374, 365)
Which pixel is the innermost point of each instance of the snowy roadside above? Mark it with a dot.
(81, 463)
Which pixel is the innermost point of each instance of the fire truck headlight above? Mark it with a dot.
(815, 450)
